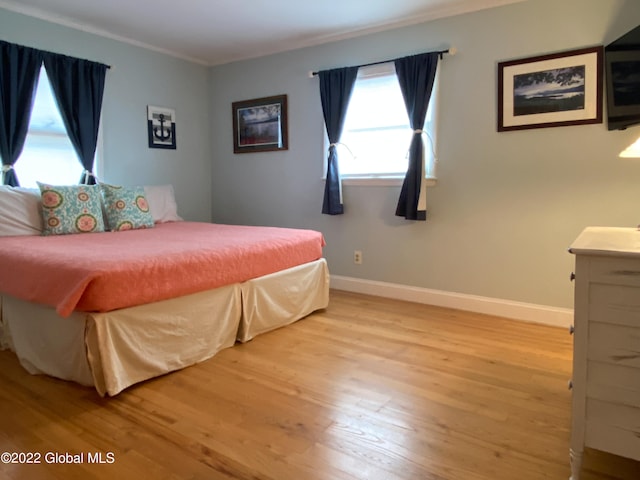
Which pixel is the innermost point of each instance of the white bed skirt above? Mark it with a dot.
(281, 298)
(114, 350)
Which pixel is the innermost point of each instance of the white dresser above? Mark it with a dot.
(606, 344)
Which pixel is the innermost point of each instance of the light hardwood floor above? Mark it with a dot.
(369, 388)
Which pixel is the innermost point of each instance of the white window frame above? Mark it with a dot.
(429, 139)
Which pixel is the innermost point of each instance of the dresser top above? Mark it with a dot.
(615, 241)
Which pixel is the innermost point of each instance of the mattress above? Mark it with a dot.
(101, 272)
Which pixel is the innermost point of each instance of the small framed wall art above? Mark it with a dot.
(551, 90)
(161, 126)
(260, 125)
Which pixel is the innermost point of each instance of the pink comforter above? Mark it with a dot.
(107, 271)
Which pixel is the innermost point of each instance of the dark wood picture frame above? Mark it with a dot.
(260, 125)
(552, 90)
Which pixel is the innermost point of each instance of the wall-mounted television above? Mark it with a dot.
(622, 63)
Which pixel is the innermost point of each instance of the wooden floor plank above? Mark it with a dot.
(369, 388)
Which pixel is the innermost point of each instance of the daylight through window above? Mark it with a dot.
(48, 155)
(376, 136)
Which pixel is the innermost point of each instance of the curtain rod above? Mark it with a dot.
(450, 51)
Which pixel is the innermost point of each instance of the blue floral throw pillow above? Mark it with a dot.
(71, 209)
(126, 208)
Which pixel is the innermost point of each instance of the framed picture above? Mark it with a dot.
(551, 90)
(260, 125)
(161, 127)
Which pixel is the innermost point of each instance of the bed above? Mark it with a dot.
(111, 309)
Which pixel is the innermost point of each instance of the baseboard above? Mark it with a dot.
(528, 312)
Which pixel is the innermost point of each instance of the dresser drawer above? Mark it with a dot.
(613, 383)
(613, 428)
(614, 344)
(614, 304)
(615, 271)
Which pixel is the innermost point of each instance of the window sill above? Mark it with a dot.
(381, 181)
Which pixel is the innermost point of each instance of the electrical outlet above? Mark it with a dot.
(357, 257)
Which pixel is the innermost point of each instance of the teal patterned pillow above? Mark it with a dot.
(71, 209)
(126, 208)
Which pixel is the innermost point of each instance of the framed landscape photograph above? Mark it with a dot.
(260, 125)
(551, 90)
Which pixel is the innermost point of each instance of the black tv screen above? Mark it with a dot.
(622, 60)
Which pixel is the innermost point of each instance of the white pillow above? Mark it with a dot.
(20, 211)
(162, 203)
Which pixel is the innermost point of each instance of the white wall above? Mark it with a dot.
(138, 78)
(506, 206)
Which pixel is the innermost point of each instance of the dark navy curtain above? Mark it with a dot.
(78, 86)
(19, 71)
(335, 91)
(416, 75)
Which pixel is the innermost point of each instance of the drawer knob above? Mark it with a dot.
(570, 384)
(572, 277)
(571, 329)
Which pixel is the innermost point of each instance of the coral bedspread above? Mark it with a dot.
(106, 271)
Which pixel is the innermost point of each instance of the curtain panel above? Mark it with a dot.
(19, 70)
(78, 86)
(336, 87)
(416, 75)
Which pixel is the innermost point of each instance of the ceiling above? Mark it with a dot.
(213, 32)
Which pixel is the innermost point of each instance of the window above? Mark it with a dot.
(376, 135)
(48, 155)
